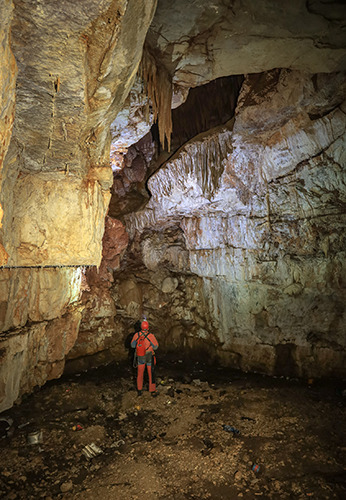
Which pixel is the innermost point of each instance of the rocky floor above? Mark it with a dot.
(175, 446)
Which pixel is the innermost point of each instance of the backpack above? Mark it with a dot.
(141, 345)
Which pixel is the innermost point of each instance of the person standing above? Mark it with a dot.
(146, 345)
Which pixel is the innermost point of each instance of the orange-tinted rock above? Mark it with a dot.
(8, 73)
(98, 327)
(61, 335)
(114, 243)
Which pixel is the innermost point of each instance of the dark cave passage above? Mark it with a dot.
(206, 107)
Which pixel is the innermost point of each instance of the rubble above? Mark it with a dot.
(293, 447)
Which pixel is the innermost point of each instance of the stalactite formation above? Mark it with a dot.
(159, 88)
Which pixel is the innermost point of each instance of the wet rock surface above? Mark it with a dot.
(202, 437)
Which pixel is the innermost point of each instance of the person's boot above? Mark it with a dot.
(154, 394)
(139, 393)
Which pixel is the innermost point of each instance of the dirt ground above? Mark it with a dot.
(174, 447)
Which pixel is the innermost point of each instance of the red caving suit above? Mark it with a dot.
(151, 344)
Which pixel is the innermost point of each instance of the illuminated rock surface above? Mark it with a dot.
(39, 318)
(35, 355)
(235, 244)
(7, 93)
(76, 66)
(32, 295)
(261, 209)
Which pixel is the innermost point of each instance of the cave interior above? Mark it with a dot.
(181, 163)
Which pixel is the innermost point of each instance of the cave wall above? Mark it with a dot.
(240, 251)
(66, 71)
(8, 73)
(34, 354)
(40, 315)
(100, 336)
(76, 65)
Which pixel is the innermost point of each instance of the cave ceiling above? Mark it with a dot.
(198, 42)
(207, 48)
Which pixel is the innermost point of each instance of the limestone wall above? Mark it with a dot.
(8, 73)
(262, 218)
(76, 65)
(39, 321)
(34, 354)
(101, 336)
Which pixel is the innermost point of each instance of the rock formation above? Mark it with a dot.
(76, 66)
(220, 160)
(258, 210)
(8, 71)
(100, 333)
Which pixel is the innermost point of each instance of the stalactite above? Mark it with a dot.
(159, 89)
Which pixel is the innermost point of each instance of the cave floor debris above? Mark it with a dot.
(174, 447)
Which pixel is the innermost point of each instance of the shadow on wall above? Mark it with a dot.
(285, 363)
(127, 342)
